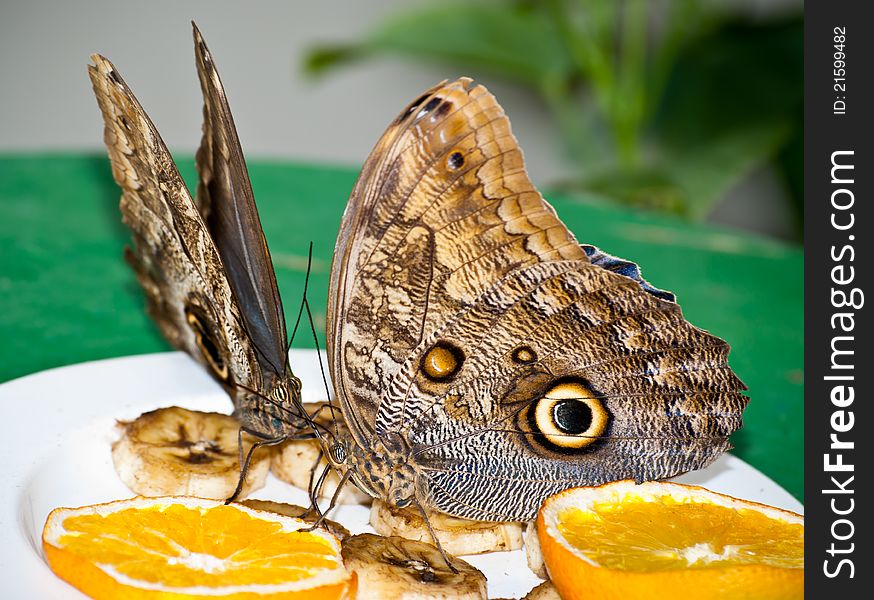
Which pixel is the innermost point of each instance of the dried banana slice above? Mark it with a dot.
(457, 536)
(174, 451)
(544, 591)
(394, 567)
(532, 551)
(298, 512)
(293, 462)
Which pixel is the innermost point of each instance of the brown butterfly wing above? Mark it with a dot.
(420, 240)
(459, 300)
(225, 198)
(188, 293)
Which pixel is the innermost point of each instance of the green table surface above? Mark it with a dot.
(66, 295)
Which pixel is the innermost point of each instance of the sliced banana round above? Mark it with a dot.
(298, 512)
(174, 451)
(296, 461)
(394, 567)
(532, 551)
(544, 591)
(457, 536)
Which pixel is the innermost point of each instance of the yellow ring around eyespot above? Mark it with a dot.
(440, 363)
(543, 415)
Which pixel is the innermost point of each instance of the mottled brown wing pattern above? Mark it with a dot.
(426, 232)
(465, 312)
(177, 264)
(173, 255)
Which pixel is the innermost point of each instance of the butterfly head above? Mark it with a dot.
(384, 471)
(276, 412)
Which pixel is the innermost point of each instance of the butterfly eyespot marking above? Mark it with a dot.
(455, 161)
(524, 355)
(442, 110)
(196, 319)
(431, 105)
(442, 361)
(569, 416)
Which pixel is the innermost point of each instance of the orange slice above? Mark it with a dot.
(184, 547)
(666, 540)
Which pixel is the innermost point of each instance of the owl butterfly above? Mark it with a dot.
(205, 267)
(484, 359)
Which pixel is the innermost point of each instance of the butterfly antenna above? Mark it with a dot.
(306, 283)
(304, 303)
(321, 365)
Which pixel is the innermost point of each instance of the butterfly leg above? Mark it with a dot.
(316, 484)
(244, 463)
(340, 485)
(323, 515)
(446, 557)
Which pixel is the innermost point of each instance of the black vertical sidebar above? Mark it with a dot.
(839, 188)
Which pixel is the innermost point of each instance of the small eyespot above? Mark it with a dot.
(524, 355)
(569, 416)
(455, 161)
(442, 361)
(441, 111)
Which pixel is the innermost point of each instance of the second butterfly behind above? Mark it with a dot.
(204, 265)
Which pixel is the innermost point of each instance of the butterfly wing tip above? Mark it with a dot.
(100, 63)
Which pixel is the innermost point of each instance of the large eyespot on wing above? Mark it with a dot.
(568, 418)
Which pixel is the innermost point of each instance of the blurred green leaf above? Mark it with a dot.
(642, 187)
(323, 58)
(740, 74)
(703, 173)
(790, 166)
(664, 110)
(731, 103)
(517, 43)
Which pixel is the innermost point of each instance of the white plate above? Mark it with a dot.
(59, 425)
